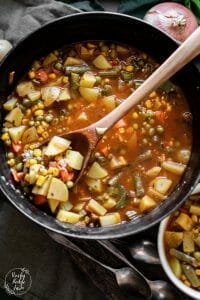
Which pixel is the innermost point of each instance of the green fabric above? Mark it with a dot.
(136, 8)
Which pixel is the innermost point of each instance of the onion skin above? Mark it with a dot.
(5, 46)
(172, 18)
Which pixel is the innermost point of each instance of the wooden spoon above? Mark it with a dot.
(85, 140)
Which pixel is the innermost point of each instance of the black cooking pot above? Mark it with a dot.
(101, 26)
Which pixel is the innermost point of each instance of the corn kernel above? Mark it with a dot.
(45, 135)
(195, 230)
(32, 161)
(11, 162)
(186, 282)
(135, 115)
(129, 68)
(121, 130)
(5, 136)
(183, 277)
(153, 94)
(194, 218)
(40, 130)
(27, 177)
(148, 103)
(28, 112)
(197, 271)
(31, 74)
(39, 112)
(54, 171)
(65, 79)
(37, 152)
(40, 105)
(52, 76)
(135, 126)
(43, 171)
(40, 180)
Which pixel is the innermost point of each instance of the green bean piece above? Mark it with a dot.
(123, 198)
(126, 76)
(168, 87)
(191, 275)
(184, 257)
(109, 73)
(75, 79)
(139, 190)
(142, 157)
(78, 69)
(114, 180)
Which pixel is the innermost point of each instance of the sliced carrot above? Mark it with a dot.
(121, 123)
(18, 176)
(39, 199)
(66, 175)
(104, 150)
(160, 116)
(41, 75)
(17, 147)
(129, 130)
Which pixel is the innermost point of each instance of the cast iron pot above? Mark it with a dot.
(105, 26)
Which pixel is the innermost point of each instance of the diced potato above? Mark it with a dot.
(151, 192)
(16, 133)
(153, 171)
(184, 221)
(122, 50)
(10, 103)
(74, 159)
(68, 217)
(96, 171)
(146, 203)
(109, 101)
(195, 210)
(34, 95)
(183, 156)
(176, 266)
(49, 59)
(43, 190)
(89, 94)
(84, 51)
(56, 146)
(101, 62)
(162, 185)
(50, 94)
(173, 239)
(188, 242)
(94, 185)
(116, 163)
(24, 88)
(83, 116)
(53, 204)
(110, 219)
(87, 80)
(15, 116)
(73, 61)
(58, 190)
(64, 95)
(66, 205)
(33, 173)
(30, 135)
(97, 208)
(78, 207)
(174, 167)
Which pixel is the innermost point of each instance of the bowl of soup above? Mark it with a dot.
(179, 247)
(142, 168)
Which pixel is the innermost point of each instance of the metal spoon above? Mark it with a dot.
(86, 139)
(129, 279)
(160, 289)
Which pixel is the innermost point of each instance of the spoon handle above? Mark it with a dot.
(64, 241)
(184, 54)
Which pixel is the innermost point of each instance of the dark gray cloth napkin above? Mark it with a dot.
(23, 243)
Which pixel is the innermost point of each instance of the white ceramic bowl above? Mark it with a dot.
(161, 250)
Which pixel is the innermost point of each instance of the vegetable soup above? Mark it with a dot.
(137, 163)
(182, 242)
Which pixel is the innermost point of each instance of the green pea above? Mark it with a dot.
(19, 166)
(31, 123)
(151, 131)
(58, 66)
(8, 142)
(155, 139)
(26, 102)
(39, 118)
(160, 129)
(10, 155)
(48, 118)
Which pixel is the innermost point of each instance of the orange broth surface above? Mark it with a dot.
(142, 157)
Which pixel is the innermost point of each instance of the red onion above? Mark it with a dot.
(173, 18)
